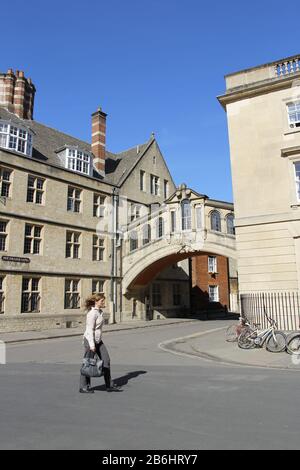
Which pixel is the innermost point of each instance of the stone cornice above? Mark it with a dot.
(258, 88)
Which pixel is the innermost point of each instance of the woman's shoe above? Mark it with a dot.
(86, 390)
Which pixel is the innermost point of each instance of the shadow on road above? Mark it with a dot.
(121, 381)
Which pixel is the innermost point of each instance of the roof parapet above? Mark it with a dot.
(279, 69)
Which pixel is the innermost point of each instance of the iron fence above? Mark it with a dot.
(283, 307)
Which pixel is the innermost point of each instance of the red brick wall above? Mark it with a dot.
(201, 279)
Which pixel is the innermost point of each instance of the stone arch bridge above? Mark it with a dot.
(186, 225)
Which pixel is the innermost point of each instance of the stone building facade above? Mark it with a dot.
(263, 112)
(63, 206)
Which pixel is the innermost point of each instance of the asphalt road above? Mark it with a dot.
(167, 401)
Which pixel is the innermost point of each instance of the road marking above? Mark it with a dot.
(163, 344)
(211, 358)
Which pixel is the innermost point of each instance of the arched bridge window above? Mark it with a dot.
(146, 234)
(134, 240)
(230, 224)
(186, 216)
(215, 221)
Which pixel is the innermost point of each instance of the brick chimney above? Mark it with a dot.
(98, 139)
(17, 93)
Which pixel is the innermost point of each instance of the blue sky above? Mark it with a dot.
(152, 65)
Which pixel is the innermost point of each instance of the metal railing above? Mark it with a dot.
(283, 307)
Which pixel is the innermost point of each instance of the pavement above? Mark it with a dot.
(209, 343)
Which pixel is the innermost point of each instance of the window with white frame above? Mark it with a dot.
(72, 293)
(74, 199)
(73, 245)
(293, 110)
(99, 205)
(2, 294)
(98, 248)
(3, 234)
(30, 295)
(33, 239)
(215, 220)
(35, 189)
(5, 181)
(213, 292)
(212, 264)
(154, 185)
(297, 179)
(98, 286)
(78, 160)
(15, 138)
(142, 180)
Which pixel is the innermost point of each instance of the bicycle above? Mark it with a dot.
(233, 331)
(253, 337)
(293, 343)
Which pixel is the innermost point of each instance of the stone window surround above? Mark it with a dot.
(98, 253)
(36, 190)
(229, 217)
(73, 242)
(143, 181)
(5, 235)
(154, 185)
(74, 201)
(217, 213)
(292, 154)
(31, 295)
(72, 296)
(7, 183)
(99, 201)
(96, 282)
(285, 116)
(33, 241)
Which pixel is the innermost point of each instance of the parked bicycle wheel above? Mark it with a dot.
(277, 344)
(231, 334)
(293, 344)
(245, 341)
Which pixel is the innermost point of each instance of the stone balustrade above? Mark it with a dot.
(287, 67)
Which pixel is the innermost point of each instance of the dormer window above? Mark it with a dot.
(78, 160)
(15, 138)
(294, 114)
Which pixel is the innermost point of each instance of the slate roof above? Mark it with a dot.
(46, 142)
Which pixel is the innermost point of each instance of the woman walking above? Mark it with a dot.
(92, 340)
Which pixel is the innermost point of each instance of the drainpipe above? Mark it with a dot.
(113, 282)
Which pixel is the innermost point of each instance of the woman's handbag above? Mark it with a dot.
(92, 366)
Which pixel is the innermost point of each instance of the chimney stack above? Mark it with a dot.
(17, 93)
(98, 139)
